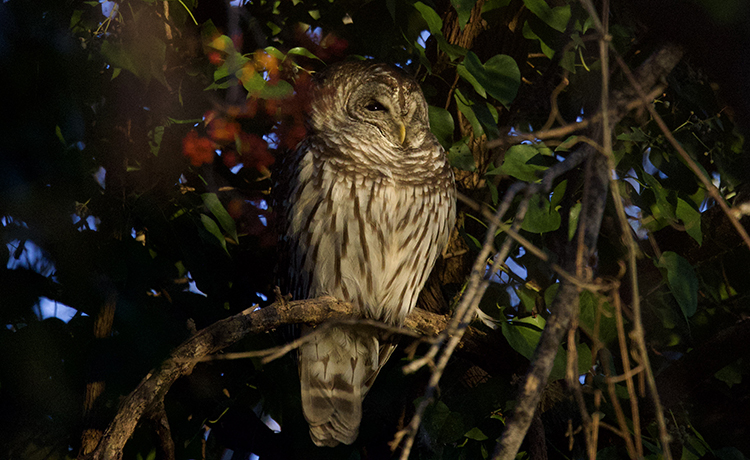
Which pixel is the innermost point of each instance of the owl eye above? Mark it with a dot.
(376, 106)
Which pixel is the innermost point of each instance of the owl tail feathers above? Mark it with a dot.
(333, 409)
(331, 432)
(336, 369)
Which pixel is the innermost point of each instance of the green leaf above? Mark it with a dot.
(587, 24)
(209, 31)
(275, 30)
(527, 297)
(682, 281)
(471, 241)
(142, 52)
(155, 54)
(74, 19)
(441, 124)
(459, 156)
(493, 171)
(222, 43)
(434, 23)
(588, 305)
(221, 72)
(254, 84)
(523, 336)
(540, 218)
(516, 164)
(151, 455)
(486, 118)
(59, 134)
(499, 76)
(210, 226)
(453, 51)
(476, 434)
(279, 90)
(694, 448)
(729, 453)
(154, 139)
(441, 422)
(466, 75)
(117, 56)
(557, 17)
(300, 51)
(558, 193)
(391, 6)
(568, 61)
(211, 201)
(690, 218)
(731, 375)
(664, 209)
(494, 195)
(271, 51)
(464, 106)
(463, 8)
(423, 59)
(529, 34)
(490, 5)
(550, 293)
(636, 135)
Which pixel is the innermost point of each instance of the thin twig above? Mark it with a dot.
(638, 330)
(554, 111)
(710, 187)
(541, 255)
(565, 130)
(571, 376)
(628, 374)
(270, 354)
(614, 189)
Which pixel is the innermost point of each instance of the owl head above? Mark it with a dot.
(370, 112)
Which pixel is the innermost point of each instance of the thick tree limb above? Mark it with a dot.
(149, 395)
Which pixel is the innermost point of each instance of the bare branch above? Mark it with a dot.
(149, 394)
(271, 354)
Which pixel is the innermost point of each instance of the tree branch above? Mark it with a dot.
(149, 395)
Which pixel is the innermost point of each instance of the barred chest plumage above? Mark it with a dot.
(370, 237)
(369, 207)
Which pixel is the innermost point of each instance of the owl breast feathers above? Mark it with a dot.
(369, 208)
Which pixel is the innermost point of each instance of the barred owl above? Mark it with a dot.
(369, 208)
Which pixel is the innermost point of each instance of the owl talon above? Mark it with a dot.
(281, 299)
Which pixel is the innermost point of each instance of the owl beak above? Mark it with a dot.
(401, 132)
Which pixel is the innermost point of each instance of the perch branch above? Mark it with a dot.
(149, 394)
